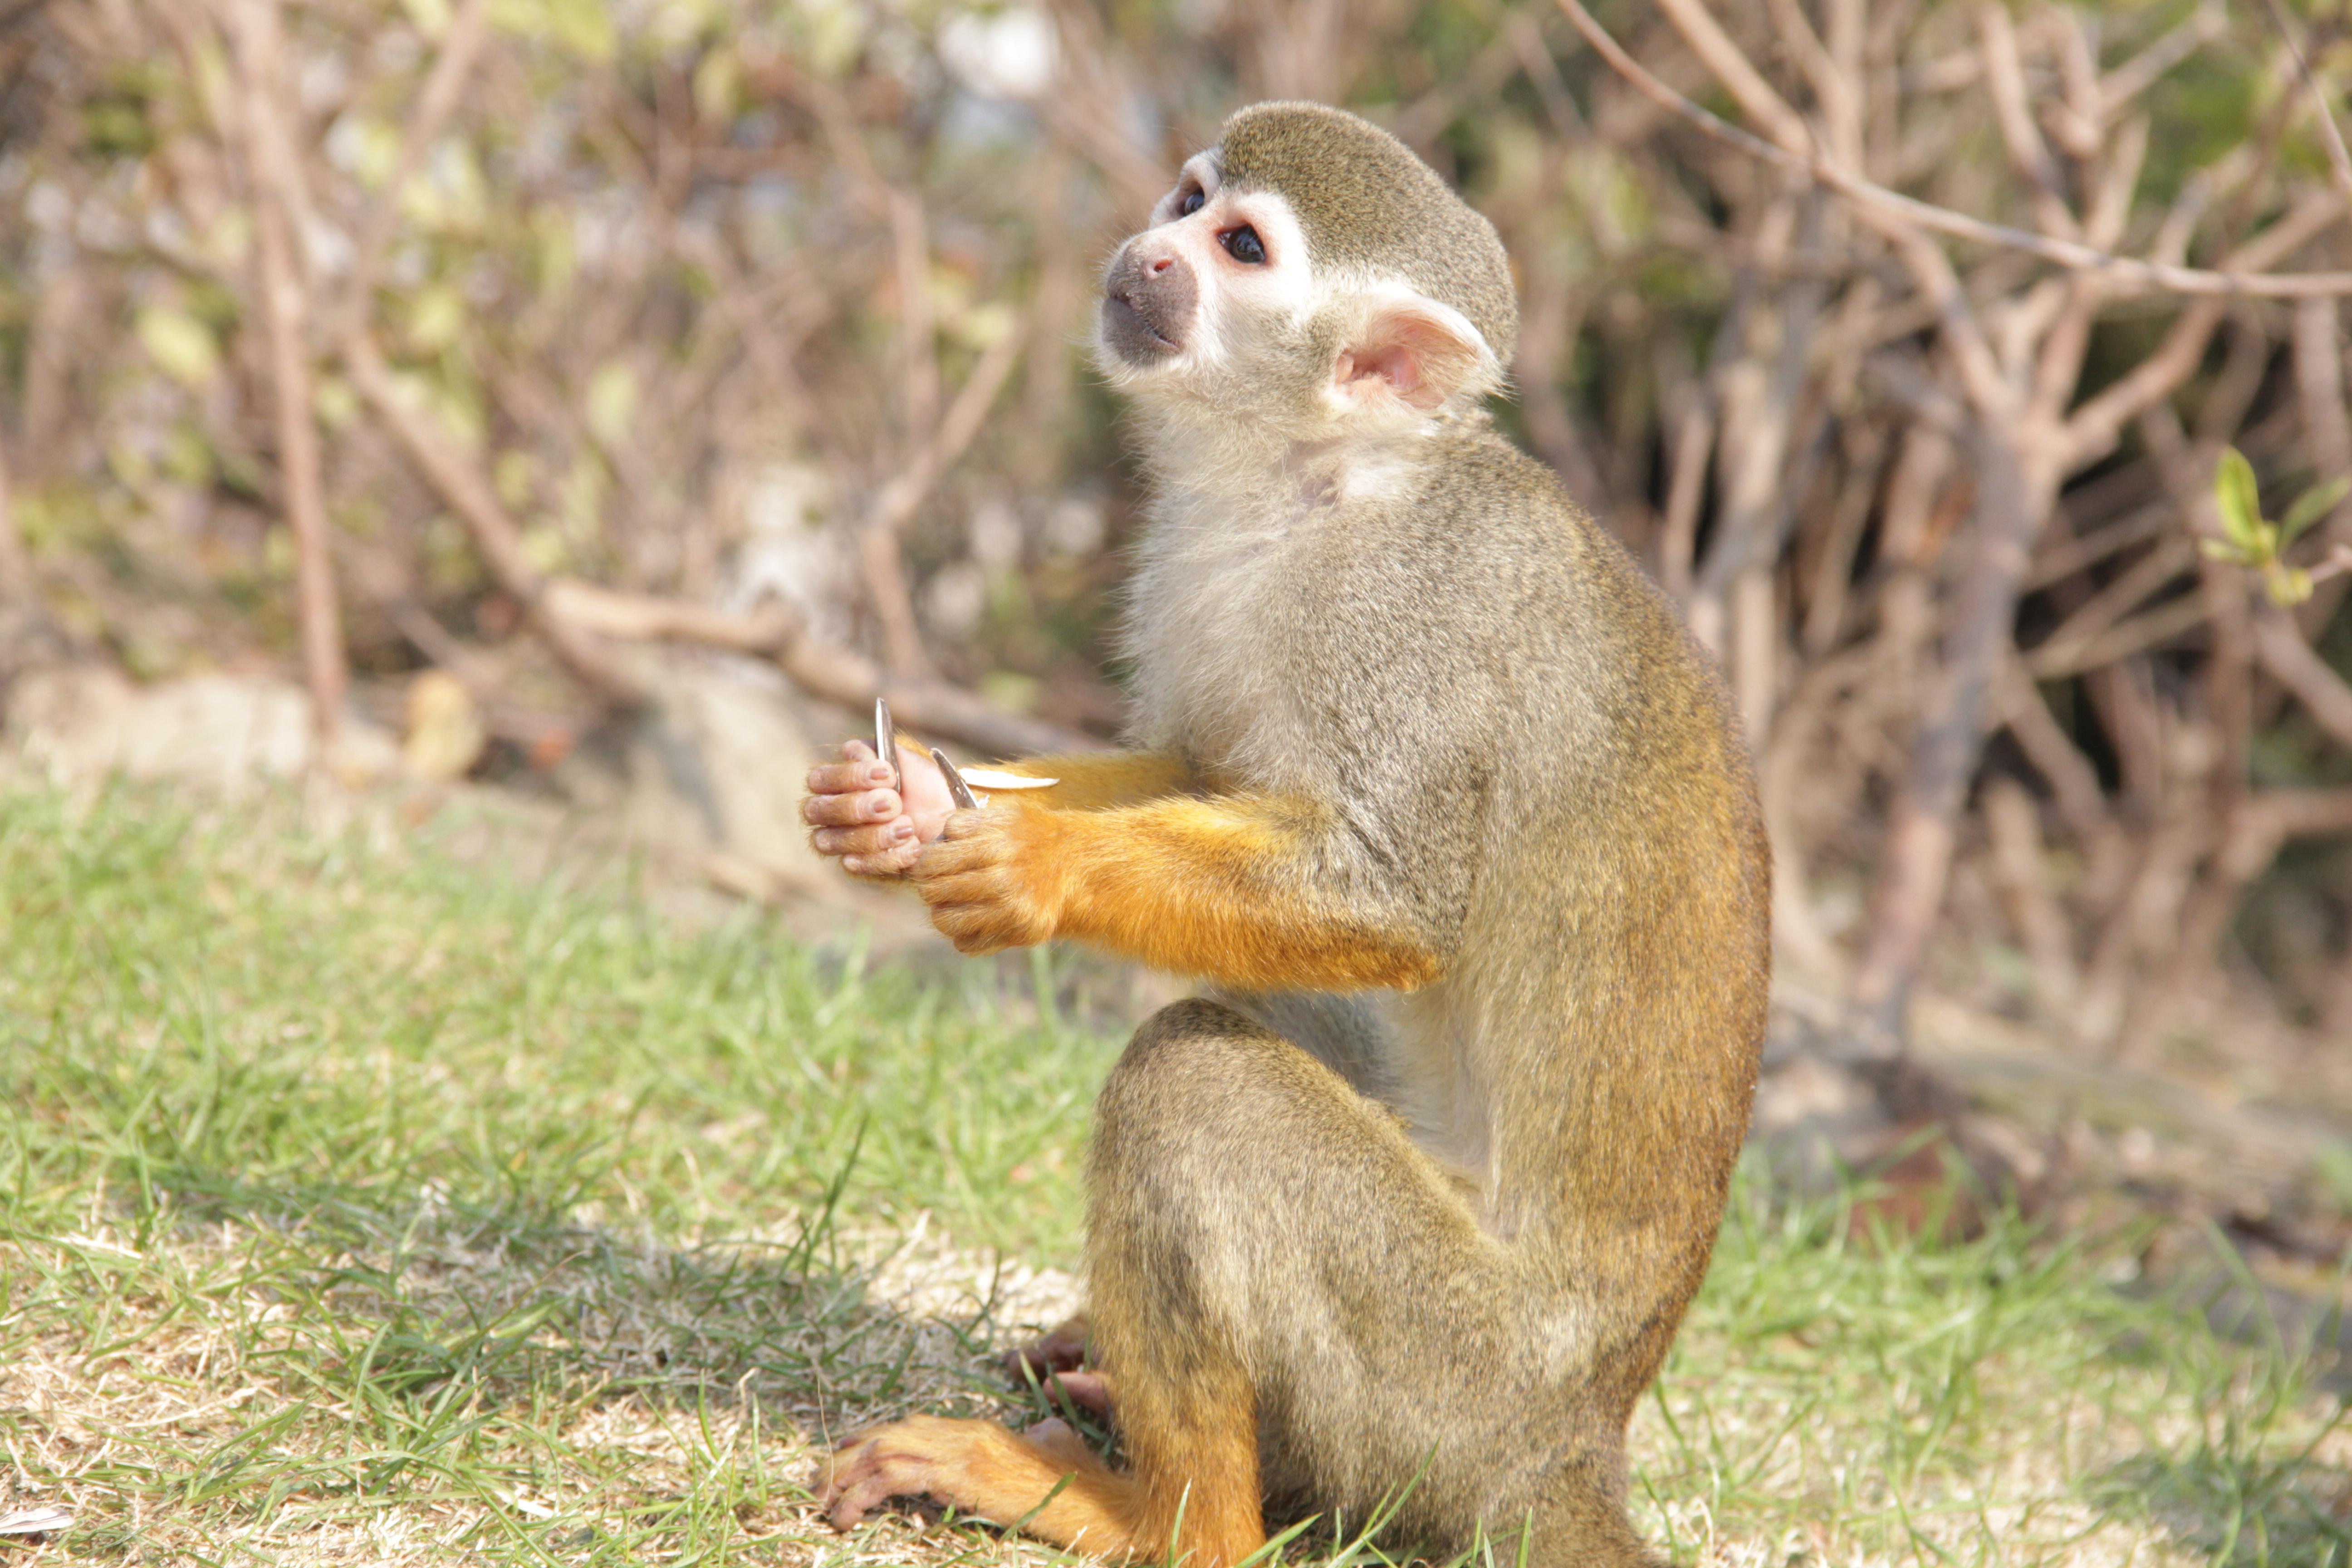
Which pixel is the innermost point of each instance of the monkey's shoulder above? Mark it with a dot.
(1492, 570)
(1485, 524)
(1476, 496)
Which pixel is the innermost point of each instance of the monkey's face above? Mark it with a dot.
(1216, 271)
(1221, 307)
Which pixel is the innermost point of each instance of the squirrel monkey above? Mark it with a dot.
(1434, 794)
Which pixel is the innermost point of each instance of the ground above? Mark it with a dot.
(361, 1204)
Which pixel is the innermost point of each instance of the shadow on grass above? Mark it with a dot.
(2236, 1508)
(554, 1387)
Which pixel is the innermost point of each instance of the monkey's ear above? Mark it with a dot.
(1416, 351)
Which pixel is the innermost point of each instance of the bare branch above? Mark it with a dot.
(461, 45)
(834, 674)
(918, 367)
(2279, 644)
(571, 617)
(2005, 77)
(15, 567)
(2339, 159)
(1722, 57)
(2161, 625)
(894, 507)
(285, 311)
(2073, 782)
(495, 535)
(2121, 271)
(2091, 430)
(1838, 94)
(2062, 651)
(2014, 824)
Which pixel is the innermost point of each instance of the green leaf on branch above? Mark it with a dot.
(2309, 508)
(2240, 499)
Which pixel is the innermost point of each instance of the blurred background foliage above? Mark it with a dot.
(779, 307)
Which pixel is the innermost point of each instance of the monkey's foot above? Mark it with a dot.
(1089, 1390)
(1060, 1349)
(982, 1469)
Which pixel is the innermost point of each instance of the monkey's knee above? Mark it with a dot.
(1180, 1043)
(1224, 1157)
(1179, 1165)
(1198, 1085)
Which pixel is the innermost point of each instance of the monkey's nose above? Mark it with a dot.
(1163, 265)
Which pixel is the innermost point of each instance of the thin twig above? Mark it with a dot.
(2117, 269)
(496, 538)
(2280, 645)
(834, 674)
(2005, 80)
(2339, 159)
(894, 506)
(285, 310)
(460, 45)
(16, 566)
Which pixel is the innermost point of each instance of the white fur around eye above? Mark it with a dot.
(1200, 172)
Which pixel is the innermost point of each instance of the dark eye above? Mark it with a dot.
(1242, 244)
(1190, 203)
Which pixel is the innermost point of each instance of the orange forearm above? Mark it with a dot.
(1216, 889)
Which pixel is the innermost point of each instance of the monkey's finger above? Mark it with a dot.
(850, 1510)
(848, 1475)
(888, 865)
(945, 858)
(846, 778)
(872, 840)
(982, 888)
(981, 929)
(1062, 1347)
(835, 1474)
(850, 810)
(876, 1481)
(965, 822)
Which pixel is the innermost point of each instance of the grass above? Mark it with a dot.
(359, 1206)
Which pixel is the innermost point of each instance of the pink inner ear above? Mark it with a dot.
(1412, 355)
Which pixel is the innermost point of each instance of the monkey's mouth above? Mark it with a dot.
(1134, 331)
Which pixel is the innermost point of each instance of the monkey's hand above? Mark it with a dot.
(874, 825)
(993, 879)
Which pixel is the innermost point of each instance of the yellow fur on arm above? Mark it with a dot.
(1215, 888)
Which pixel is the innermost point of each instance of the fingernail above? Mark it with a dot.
(900, 833)
(878, 774)
(877, 806)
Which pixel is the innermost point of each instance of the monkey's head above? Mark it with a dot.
(1309, 271)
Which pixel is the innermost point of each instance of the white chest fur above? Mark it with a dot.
(1208, 623)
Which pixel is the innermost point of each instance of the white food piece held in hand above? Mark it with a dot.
(990, 778)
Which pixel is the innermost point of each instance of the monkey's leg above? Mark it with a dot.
(1266, 1245)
